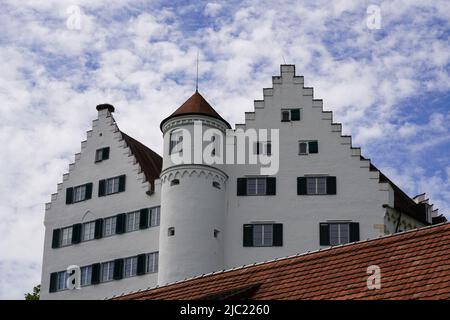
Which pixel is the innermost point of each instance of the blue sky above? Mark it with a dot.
(389, 87)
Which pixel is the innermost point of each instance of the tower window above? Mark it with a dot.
(175, 182)
(216, 184)
(216, 233)
(176, 142)
(171, 231)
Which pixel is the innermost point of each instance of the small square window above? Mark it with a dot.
(171, 231)
(101, 154)
(174, 182)
(216, 184)
(216, 233)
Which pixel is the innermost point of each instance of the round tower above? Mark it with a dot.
(193, 192)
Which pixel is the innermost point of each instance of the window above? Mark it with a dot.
(88, 231)
(79, 193)
(154, 217)
(86, 275)
(152, 262)
(102, 154)
(256, 186)
(107, 271)
(263, 235)
(176, 142)
(171, 231)
(112, 185)
(307, 147)
(339, 233)
(66, 238)
(216, 233)
(61, 280)
(216, 184)
(290, 115)
(133, 221)
(130, 267)
(264, 148)
(316, 185)
(336, 233)
(109, 228)
(174, 182)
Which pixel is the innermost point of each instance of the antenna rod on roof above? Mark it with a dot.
(196, 81)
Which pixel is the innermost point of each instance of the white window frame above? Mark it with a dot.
(88, 231)
(79, 193)
(259, 189)
(316, 185)
(133, 219)
(340, 235)
(154, 217)
(112, 185)
(265, 228)
(107, 271)
(130, 267)
(66, 236)
(86, 276)
(152, 262)
(109, 226)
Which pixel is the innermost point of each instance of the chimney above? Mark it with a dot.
(105, 108)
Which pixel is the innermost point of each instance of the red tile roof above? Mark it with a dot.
(414, 265)
(150, 161)
(196, 104)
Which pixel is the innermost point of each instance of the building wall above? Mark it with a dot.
(360, 197)
(58, 215)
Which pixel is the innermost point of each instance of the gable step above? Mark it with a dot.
(240, 126)
(71, 166)
(54, 196)
(83, 144)
(268, 92)
(336, 127)
(59, 186)
(365, 164)
(258, 104)
(318, 103)
(356, 152)
(308, 91)
(327, 115)
(89, 133)
(374, 175)
(277, 80)
(299, 80)
(77, 156)
(48, 206)
(65, 176)
(249, 116)
(346, 140)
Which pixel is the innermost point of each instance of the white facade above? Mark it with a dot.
(202, 225)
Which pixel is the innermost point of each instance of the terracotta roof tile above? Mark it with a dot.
(414, 265)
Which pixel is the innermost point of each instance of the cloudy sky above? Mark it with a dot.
(389, 86)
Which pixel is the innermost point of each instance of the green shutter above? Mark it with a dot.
(98, 234)
(120, 223)
(69, 195)
(242, 186)
(88, 191)
(331, 185)
(277, 234)
(56, 238)
(95, 279)
(301, 186)
(271, 186)
(248, 235)
(105, 153)
(122, 183)
(143, 218)
(313, 147)
(354, 231)
(141, 264)
(295, 114)
(53, 281)
(101, 188)
(324, 234)
(76, 233)
(118, 269)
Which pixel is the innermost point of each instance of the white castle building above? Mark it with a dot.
(132, 220)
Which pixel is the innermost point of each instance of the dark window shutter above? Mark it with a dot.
(55, 239)
(98, 229)
(120, 223)
(331, 185)
(53, 281)
(295, 115)
(95, 273)
(313, 147)
(301, 186)
(354, 231)
(76, 233)
(122, 183)
(248, 235)
(89, 190)
(101, 188)
(324, 234)
(69, 195)
(278, 234)
(242, 186)
(258, 147)
(105, 153)
(143, 219)
(141, 264)
(118, 269)
(271, 186)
